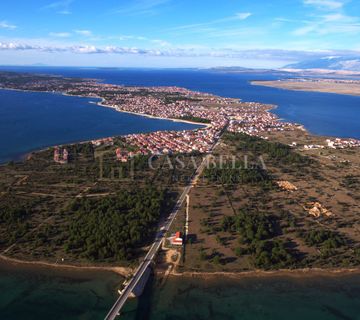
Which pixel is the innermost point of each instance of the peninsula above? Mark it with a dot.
(339, 86)
(270, 197)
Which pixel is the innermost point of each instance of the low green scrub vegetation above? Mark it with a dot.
(281, 153)
(256, 234)
(251, 227)
(14, 219)
(351, 182)
(325, 238)
(272, 254)
(229, 174)
(195, 119)
(114, 228)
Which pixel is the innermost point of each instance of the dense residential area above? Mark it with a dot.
(215, 113)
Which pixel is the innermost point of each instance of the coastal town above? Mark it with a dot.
(215, 113)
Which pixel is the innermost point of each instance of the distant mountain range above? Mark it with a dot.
(332, 63)
(236, 69)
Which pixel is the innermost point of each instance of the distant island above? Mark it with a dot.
(339, 86)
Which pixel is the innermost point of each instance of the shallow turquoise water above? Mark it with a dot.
(40, 294)
(49, 294)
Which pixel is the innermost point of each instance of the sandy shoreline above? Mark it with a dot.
(22, 157)
(320, 87)
(123, 271)
(103, 104)
(293, 273)
(126, 271)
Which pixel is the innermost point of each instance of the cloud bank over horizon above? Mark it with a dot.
(167, 33)
(260, 54)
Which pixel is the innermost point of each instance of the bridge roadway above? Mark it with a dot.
(160, 236)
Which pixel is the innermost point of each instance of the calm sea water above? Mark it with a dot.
(321, 113)
(44, 294)
(316, 298)
(59, 295)
(32, 120)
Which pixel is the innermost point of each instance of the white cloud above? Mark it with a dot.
(335, 17)
(65, 12)
(243, 15)
(58, 4)
(185, 52)
(60, 34)
(334, 23)
(141, 7)
(86, 33)
(128, 37)
(161, 43)
(16, 46)
(202, 27)
(85, 49)
(61, 7)
(325, 4)
(6, 25)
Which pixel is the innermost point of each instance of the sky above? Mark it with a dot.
(176, 33)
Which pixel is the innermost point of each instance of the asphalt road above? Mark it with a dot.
(115, 310)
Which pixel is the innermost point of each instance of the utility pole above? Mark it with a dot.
(187, 216)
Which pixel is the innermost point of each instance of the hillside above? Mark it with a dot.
(332, 63)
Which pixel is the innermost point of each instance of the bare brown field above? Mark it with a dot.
(325, 181)
(320, 86)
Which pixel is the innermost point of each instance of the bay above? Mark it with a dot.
(34, 120)
(320, 113)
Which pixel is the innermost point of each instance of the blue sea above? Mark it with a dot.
(39, 293)
(273, 298)
(33, 120)
(30, 121)
(320, 113)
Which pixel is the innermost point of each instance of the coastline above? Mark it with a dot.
(123, 271)
(126, 271)
(293, 273)
(101, 103)
(304, 87)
